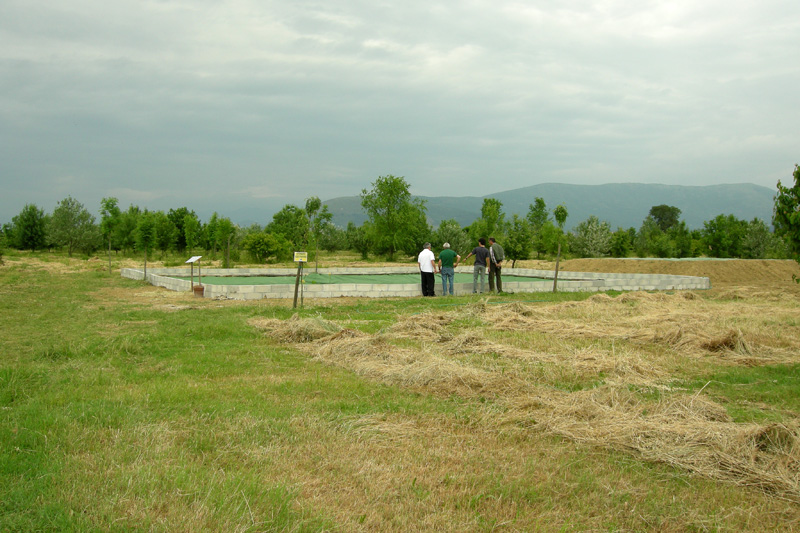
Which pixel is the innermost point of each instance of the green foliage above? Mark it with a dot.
(491, 223)
(29, 228)
(291, 223)
(621, 243)
(560, 213)
(666, 216)
(178, 218)
(166, 232)
(519, 241)
(146, 234)
(537, 214)
(397, 221)
(786, 216)
(73, 227)
(358, 239)
(592, 238)
(723, 236)
(264, 246)
(191, 231)
(450, 231)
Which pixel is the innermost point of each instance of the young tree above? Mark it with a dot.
(126, 229)
(592, 238)
(73, 226)
(291, 223)
(723, 236)
(224, 234)
(450, 231)
(519, 240)
(166, 232)
(30, 228)
(786, 216)
(358, 239)
(319, 218)
(394, 215)
(621, 243)
(178, 217)
(192, 232)
(263, 246)
(110, 217)
(492, 222)
(145, 235)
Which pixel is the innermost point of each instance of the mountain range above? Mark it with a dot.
(622, 205)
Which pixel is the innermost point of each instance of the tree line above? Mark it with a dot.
(397, 227)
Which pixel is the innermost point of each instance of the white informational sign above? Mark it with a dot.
(301, 257)
(194, 259)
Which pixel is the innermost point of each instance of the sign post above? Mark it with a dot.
(192, 260)
(299, 258)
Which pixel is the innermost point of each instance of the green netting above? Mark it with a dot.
(339, 278)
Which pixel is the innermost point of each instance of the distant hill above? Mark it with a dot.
(620, 204)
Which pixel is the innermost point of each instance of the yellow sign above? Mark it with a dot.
(301, 257)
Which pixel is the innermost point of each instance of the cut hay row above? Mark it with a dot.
(423, 352)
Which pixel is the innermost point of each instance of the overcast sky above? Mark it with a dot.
(218, 104)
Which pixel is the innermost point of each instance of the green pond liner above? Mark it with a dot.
(329, 279)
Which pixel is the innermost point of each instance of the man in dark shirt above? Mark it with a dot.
(496, 257)
(481, 259)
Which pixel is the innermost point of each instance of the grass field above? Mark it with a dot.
(129, 407)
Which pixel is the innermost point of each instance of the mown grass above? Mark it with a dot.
(123, 407)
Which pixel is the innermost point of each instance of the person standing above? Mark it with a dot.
(447, 267)
(427, 266)
(479, 270)
(496, 257)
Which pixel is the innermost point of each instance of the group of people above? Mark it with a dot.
(490, 259)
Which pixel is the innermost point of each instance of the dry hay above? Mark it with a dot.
(689, 432)
(378, 358)
(296, 329)
(678, 322)
(423, 326)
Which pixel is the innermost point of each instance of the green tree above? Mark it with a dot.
(110, 217)
(646, 237)
(291, 223)
(73, 226)
(537, 217)
(560, 213)
(518, 244)
(358, 239)
(786, 216)
(263, 246)
(224, 235)
(192, 232)
(178, 218)
(29, 228)
(492, 221)
(393, 214)
(723, 236)
(166, 232)
(145, 235)
(666, 216)
(592, 238)
(757, 240)
(125, 231)
(450, 231)
(621, 243)
(318, 219)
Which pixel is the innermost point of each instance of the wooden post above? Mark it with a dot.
(555, 277)
(297, 284)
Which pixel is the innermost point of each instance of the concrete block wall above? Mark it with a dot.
(567, 282)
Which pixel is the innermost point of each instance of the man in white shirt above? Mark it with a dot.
(427, 266)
